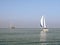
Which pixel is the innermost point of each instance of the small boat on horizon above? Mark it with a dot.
(12, 26)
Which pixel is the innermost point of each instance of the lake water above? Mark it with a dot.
(29, 36)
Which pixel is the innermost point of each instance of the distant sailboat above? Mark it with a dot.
(12, 26)
(43, 24)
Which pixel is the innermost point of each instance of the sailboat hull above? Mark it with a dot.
(45, 30)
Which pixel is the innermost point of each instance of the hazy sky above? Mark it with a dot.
(27, 13)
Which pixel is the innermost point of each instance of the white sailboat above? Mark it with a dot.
(43, 24)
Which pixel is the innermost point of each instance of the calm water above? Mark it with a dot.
(29, 36)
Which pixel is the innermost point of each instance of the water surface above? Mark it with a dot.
(29, 36)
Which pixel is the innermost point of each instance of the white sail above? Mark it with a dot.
(43, 23)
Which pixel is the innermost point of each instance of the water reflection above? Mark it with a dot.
(43, 37)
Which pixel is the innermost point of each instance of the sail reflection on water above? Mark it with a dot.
(43, 37)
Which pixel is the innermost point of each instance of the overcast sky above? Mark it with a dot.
(27, 13)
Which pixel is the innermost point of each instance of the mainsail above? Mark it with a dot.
(42, 22)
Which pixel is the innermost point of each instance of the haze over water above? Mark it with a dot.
(27, 13)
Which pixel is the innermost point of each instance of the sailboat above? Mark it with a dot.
(43, 24)
(12, 26)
